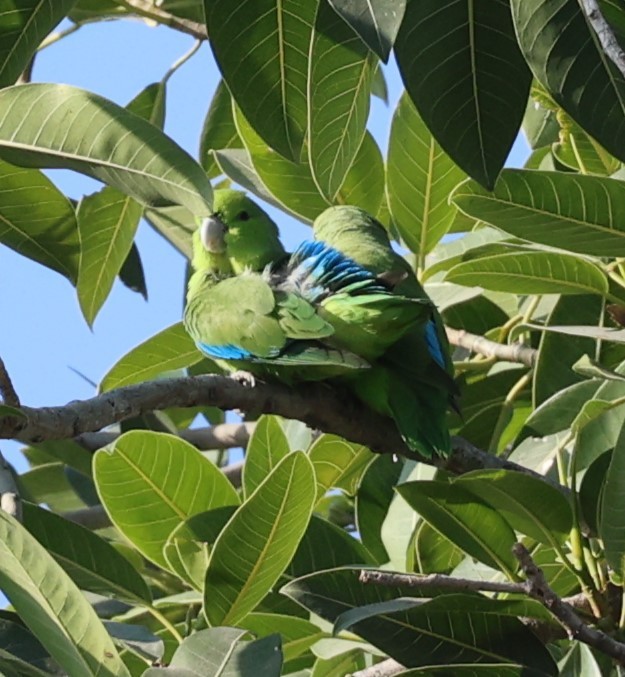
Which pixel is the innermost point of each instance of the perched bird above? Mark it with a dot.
(311, 315)
(413, 381)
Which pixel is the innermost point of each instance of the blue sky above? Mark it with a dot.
(44, 332)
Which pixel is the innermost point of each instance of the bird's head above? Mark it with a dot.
(240, 232)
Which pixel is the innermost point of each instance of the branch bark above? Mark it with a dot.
(604, 32)
(149, 10)
(383, 669)
(513, 352)
(317, 404)
(7, 391)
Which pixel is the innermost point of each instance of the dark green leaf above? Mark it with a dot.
(591, 490)
(612, 508)
(434, 553)
(462, 67)
(131, 272)
(219, 130)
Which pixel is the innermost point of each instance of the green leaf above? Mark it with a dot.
(462, 67)
(177, 224)
(149, 104)
(590, 368)
(531, 272)
(420, 177)
(579, 661)
(467, 522)
(59, 126)
(339, 93)
(528, 204)
(338, 464)
(612, 508)
(434, 553)
(298, 634)
(584, 330)
(540, 125)
(592, 410)
(444, 632)
(23, 25)
(150, 482)
(218, 130)
(373, 501)
(364, 183)
(37, 220)
(5, 410)
(107, 223)
(91, 562)
(53, 607)
(259, 541)
(268, 445)
(379, 86)
(375, 21)
(168, 350)
(324, 546)
(48, 484)
(584, 81)
(529, 505)
(591, 490)
(262, 52)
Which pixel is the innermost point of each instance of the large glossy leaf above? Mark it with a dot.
(170, 349)
(420, 177)
(268, 445)
(612, 508)
(176, 223)
(376, 21)
(364, 183)
(584, 214)
(37, 220)
(91, 562)
(259, 541)
(261, 47)
(536, 272)
(53, 607)
(339, 93)
(434, 553)
(558, 353)
(529, 505)
(151, 482)
(468, 523)
(436, 633)
(107, 223)
(462, 67)
(338, 463)
(221, 652)
(218, 130)
(23, 25)
(298, 634)
(50, 125)
(568, 60)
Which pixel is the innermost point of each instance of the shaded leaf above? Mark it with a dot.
(177, 224)
(218, 130)
(262, 53)
(612, 508)
(268, 445)
(461, 65)
(131, 273)
(59, 126)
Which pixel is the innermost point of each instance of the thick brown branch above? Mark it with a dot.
(513, 352)
(10, 500)
(149, 10)
(318, 405)
(538, 588)
(604, 32)
(221, 436)
(383, 669)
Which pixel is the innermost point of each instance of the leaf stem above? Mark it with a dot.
(181, 61)
(506, 411)
(165, 622)
(59, 35)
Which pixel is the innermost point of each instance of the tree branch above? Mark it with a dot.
(319, 405)
(10, 500)
(383, 669)
(605, 34)
(538, 588)
(221, 436)
(150, 11)
(513, 352)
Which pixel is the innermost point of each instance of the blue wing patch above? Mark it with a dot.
(434, 343)
(318, 269)
(225, 352)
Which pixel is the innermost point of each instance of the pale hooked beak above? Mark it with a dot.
(212, 235)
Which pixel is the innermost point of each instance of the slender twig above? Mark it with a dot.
(182, 60)
(317, 404)
(512, 352)
(383, 669)
(604, 32)
(7, 391)
(220, 436)
(538, 588)
(149, 10)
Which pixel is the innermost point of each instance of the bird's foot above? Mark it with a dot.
(244, 378)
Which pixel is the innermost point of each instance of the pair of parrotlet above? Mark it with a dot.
(342, 306)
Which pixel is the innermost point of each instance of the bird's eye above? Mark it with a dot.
(243, 216)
